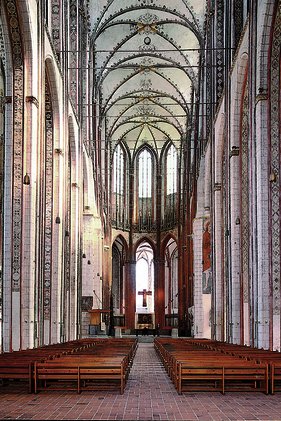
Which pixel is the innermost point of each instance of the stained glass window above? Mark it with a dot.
(171, 170)
(145, 172)
(145, 187)
(118, 170)
(170, 187)
(119, 212)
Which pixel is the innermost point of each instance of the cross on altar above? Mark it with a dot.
(144, 294)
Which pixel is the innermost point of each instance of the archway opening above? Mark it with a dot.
(145, 285)
(171, 284)
(118, 282)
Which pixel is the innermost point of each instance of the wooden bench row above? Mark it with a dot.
(57, 364)
(92, 374)
(193, 368)
(19, 365)
(271, 358)
(104, 367)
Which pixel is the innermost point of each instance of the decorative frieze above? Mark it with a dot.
(275, 159)
(245, 195)
(48, 234)
(220, 47)
(16, 47)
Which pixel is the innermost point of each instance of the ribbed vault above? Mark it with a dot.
(146, 66)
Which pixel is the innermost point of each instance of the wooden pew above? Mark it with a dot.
(271, 358)
(104, 373)
(193, 367)
(17, 371)
(105, 366)
(221, 376)
(19, 365)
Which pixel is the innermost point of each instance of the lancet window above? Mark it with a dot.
(119, 202)
(145, 190)
(170, 187)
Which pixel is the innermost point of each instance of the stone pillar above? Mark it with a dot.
(130, 293)
(118, 332)
(262, 264)
(202, 302)
(175, 333)
(235, 247)
(159, 282)
(218, 231)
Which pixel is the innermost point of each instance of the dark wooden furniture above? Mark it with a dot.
(83, 359)
(195, 367)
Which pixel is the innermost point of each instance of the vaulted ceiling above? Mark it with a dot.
(146, 69)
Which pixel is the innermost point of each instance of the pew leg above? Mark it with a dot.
(179, 386)
(223, 382)
(78, 381)
(267, 380)
(122, 379)
(30, 378)
(272, 380)
(35, 378)
(30, 385)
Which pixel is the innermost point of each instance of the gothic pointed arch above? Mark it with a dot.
(145, 87)
(52, 286)
(120, 187)
(170, 163)
(233, 215)
(118, 286)
(145, 189)
(145, 282)
(170, 256)
(47, 211)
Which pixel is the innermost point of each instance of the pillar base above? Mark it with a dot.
(118, 332)
(175, 333)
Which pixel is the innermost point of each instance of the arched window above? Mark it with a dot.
(171, 170)
(118, 170)
(145, 172)
(170, 187)
(145, 200)
(119, 188)
(144, 279)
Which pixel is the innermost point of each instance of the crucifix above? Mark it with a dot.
(144, 294)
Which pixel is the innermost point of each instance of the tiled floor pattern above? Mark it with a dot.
(149, 395)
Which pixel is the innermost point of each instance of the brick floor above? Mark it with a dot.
(149, 395)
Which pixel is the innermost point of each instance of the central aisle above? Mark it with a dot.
(149, 387)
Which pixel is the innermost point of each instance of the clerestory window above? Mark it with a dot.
(119, 211)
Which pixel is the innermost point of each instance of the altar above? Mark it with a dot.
(144, 321)
(145, 331)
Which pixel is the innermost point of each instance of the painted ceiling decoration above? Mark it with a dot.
(146, 69)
